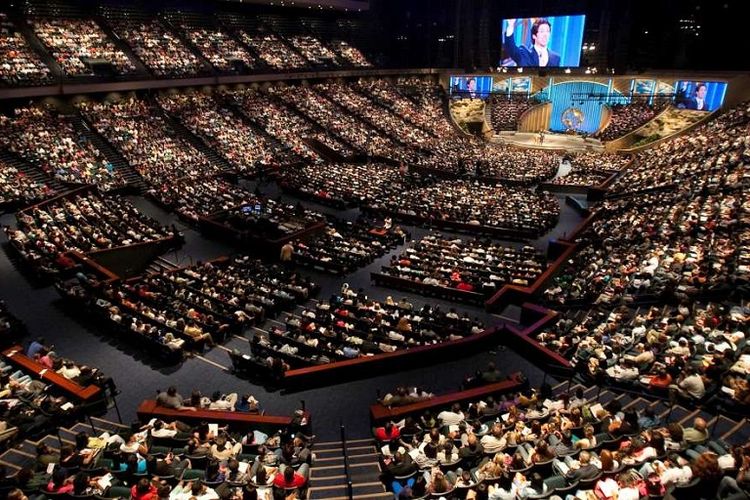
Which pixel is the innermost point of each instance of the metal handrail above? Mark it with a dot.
(349, 485)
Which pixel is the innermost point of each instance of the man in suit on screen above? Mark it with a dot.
(538, 54)
(698, 101)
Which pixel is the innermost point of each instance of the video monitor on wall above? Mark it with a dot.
(520, 85)
(642, 87)
(542, 41)
(699, 95)
(471, 86)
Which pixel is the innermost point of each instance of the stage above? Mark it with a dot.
(551, 141)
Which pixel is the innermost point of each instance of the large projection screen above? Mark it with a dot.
(540, 42)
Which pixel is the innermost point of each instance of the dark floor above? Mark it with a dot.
(138, 376)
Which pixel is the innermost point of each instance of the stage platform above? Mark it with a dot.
(551, 141)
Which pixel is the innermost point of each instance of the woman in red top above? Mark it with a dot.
(143, 490)
(289, 479)
(387, 433)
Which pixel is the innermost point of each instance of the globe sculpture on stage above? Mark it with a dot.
(572, 119)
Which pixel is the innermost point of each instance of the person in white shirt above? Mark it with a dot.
(453, 417)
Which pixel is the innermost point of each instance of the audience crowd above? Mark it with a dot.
(535, 444)
(285, 125)
(314, 51)
(147, 141)
(77, 43)
(347, 184)
(17, 188)
(626, 118)
(697, 351)
(49, 140)
(196, 307)
(351, 325)
(273, 50)
(334, 118)
(684, 238)
(350, 54)
(505, 111)
(219, 48)
(220, 128)
(19, 64)
(470, 266)
(475, 206)
(591, 168)
(344, 246)
(176, 460)
(195, 198)
(83, 223)
(160, 50)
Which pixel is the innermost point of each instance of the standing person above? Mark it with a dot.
(287, 251)
(541, 137)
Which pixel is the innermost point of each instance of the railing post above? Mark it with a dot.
(349, 486)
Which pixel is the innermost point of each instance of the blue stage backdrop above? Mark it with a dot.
(566, 39)
(686, 93)
(583, 101)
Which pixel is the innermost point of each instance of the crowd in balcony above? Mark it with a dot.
(273, 50)
(314, 50)
(219, 48)
(160, 50)
(19, 64)
(77, 43)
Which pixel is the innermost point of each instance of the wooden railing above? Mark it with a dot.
(15, 356)
(381, 414)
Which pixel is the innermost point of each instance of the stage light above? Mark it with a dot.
(520, 70)
(592, 47)
(567, 71)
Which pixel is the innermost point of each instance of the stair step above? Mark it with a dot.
(365, 457)
(328, 451)
(315, 469)
(18, 458)
(370, 448)
(722, 425)
(738, 434)
(328, 460)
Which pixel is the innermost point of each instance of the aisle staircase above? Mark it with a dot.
(113, 155)
(161, 265)
(194, 140)
(328, 475)
(24, 454)
(721, 427)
